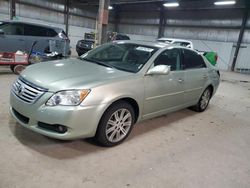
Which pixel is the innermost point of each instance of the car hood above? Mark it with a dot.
(71, 74)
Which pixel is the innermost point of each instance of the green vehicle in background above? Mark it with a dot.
(212, 57)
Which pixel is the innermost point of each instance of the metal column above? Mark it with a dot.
(102, 21)
(12, 9)
(66, 16)
(162, 23)
(117, 18)
(243, 25)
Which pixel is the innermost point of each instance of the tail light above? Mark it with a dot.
(64, 36)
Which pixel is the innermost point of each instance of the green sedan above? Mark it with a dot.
(109, 89)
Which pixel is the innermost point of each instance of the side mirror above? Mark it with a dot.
(1, 32)
(159, 70)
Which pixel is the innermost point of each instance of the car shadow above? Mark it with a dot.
(159, 122)
(2, 73)
(5, 70)
(71, 149)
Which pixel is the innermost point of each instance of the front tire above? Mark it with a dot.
(115, 124)
(204, 100)
(18, 69)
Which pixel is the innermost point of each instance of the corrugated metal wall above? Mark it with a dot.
(243, 63)
(215, 30)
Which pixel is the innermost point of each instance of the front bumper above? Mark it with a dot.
(81, 121)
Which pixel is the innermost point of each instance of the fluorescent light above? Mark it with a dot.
(110, 8)
(171, 4)
(224, 2)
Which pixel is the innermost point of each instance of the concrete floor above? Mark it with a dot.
(183, 149)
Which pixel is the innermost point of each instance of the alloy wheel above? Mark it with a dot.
(205, 99)
(118, 125)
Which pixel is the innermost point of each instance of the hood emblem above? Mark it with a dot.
(20, 90)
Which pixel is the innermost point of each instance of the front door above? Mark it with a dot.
(164, 93)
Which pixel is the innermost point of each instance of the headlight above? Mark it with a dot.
(68, 98)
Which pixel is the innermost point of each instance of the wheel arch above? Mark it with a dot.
(129, 100)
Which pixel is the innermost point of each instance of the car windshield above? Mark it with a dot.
(123, 56)
(2, 25)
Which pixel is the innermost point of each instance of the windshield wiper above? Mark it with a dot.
(98, 62)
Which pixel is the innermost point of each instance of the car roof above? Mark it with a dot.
(35, 24)
(154, 44)
(145, 43)
(174, 39)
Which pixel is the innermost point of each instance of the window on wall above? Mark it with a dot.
(192, 60)
(170, 58)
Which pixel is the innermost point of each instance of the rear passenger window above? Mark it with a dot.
(31, 30)
(51, 33)
(38, 31)
(170, 58)
(192, 60)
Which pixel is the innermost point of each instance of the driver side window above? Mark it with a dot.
(170, 58)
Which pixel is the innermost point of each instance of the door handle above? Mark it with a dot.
(21, 39)
(204, 76)
(180, 80)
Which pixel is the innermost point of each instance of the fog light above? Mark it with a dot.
(61, 128)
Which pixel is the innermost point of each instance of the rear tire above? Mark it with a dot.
(115, 124)
(204, 100)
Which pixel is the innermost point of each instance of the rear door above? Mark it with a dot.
(39, 34)
(196, 75)
(164, 93)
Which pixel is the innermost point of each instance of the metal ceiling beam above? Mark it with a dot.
(118, 2)
(184, 4)
(242, 30)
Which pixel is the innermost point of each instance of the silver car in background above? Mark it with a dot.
(107, 90)
(17, 35)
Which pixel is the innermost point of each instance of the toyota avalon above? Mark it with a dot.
(106, 91)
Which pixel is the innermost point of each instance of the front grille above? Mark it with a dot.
(27, 91)
(21, 117)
